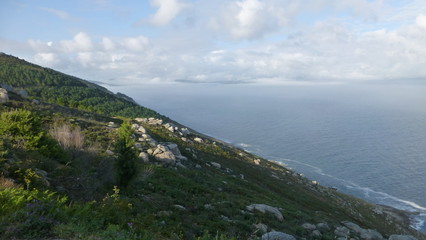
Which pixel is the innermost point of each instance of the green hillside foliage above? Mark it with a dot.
(54, 87)
(67, 173)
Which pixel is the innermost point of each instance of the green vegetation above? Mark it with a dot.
(54, 87)
(126, 155)
(64, 174)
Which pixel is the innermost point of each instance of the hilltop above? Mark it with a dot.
(80, 162)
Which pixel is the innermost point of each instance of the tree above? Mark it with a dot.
(126, 155)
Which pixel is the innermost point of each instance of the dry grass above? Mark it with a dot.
(69, 137)
(7, 183)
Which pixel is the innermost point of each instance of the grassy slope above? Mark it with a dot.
(88, 174)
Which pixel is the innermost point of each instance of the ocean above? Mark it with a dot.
(363, 139)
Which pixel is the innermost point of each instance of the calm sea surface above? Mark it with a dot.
(365, 140)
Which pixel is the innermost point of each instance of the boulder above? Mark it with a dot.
(144, 156)
(323, 227)
(277, 236)
(257, 161)
(6, 87)
(215, 164)
(22, 93)
(353, 227)
(341, 232)
(309, 227)
(185, 132)
(173, 147)
(166, 158)
(141, 129)
(263, 208)
(198, 140)
(260, 227)
(316, 234)
(369, 234)
(401, 237)
(4, 97)
(135, 126)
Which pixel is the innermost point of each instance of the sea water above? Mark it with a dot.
(365, 140)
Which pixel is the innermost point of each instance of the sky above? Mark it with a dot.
(223, 41)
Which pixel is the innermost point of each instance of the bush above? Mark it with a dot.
(21, 128)
(126, 155)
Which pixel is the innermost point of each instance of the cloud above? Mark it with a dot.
(421, 21)
(58, 13)
(167, 11)
(80, 42)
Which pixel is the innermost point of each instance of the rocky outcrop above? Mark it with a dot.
(21, 92)
(4, 97)
(263, 208)
(277, 236)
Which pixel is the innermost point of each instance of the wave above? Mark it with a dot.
(418, 218)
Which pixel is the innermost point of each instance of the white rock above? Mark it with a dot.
(277, 236)
(185, 131)
(135, 126)
(257, 161)
(144, 156)
(141, 130)
(308, 226)
(198, 140)
(263, 208)
(215, 164)
(4, 97)
(260, 227)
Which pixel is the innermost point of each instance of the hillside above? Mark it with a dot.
(79, 162)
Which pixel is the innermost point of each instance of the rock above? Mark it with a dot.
(4, 97)
(171, 129)
(208, 206)
(109, 152)
(309, 227)
(263, 208)
(323, 227)
(6, 87)
(178, 164)
(316, 234)
(144, 156)
(260, 227)
(141, 130)
(341, 232)
(141, 120)
(198, 166)
(198, 140)
(135, 126)
(173, 147)
(150, 151)
(352, 226)
(35, 101)
(165, 158)
(185, 132)
(138, 145)
(277, 236)
(22, 93)
(401, 237)
(369, 234)
(184, 139)
(215, 164)
(257, 161)
(180, 207)
(112, 125)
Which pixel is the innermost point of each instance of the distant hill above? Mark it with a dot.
(58, 88)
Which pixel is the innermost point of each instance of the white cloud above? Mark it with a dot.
(421, 21)
(167, 11)
(108, 44)
(46, 59)
(136, 43)
(80, 42)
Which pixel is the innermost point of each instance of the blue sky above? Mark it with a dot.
(224, 41)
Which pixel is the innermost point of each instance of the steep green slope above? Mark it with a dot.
(59, 174)
(55, 87)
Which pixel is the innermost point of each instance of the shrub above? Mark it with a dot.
(21, 128)
(126, 155)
